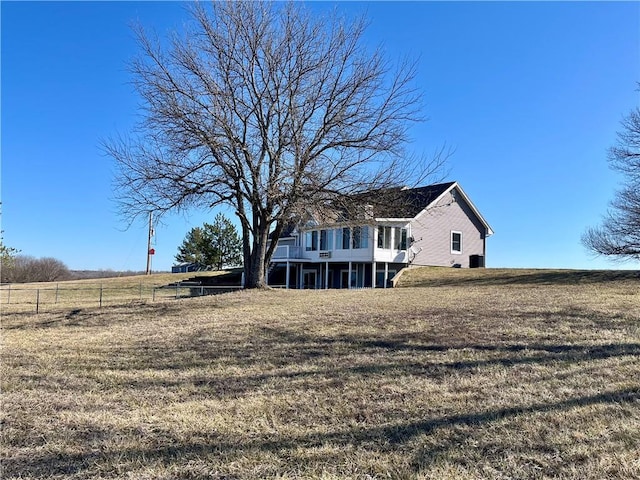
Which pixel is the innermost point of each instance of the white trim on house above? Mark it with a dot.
(370, 265)
(453, 251)
(466, 199)
(395, 220)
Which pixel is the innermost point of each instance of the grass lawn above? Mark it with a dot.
(73, 294)
(457, 374)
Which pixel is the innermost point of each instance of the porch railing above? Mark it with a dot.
(286, 251)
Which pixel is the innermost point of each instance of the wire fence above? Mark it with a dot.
(15, 298)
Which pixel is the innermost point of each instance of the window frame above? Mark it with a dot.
(400, 240)
(345, 237)
(384, 237)
(328, 240)
(311, 241)
(360, 237)
(452, 242)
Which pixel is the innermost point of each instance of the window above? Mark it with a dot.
(384, 237)
(326, 239)
(400, 238)
(456, 242)
(345, 238)
(360, 237)
(380, 278)
(311, 241)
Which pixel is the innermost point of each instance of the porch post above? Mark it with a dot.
(300, 279)
(326, 275)
(287, 275)
(373, 275)
(349, 277)
(386, 274)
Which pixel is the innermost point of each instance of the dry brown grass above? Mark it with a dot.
(73, 294)
(476, 375)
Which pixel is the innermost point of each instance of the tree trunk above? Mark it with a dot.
(255, 274)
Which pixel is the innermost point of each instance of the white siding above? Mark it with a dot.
(432, 229)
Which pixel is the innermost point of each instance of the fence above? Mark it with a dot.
(15, 298)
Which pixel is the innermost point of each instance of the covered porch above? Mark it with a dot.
(302, 274)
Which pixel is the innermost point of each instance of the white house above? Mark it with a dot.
(436, 225)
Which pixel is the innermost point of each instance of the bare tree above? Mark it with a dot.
(25, 268)
(269, 110)
(619, 235)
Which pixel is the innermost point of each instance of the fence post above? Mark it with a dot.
(176, 290)
(37, 301)
(9, 296)
(57, 288)
(140, 291)
(153, 294)
(201, 290)
(100, 295)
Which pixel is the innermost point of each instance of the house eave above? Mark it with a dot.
(392, 219)
(489, 230)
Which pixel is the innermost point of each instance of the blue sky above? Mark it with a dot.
(530, 95)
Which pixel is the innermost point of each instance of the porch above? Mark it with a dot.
(302, 274)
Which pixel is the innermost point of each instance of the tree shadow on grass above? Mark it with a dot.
(88, 316)
(288, 356)
(374, 439)
(285, 354)
(292, 356)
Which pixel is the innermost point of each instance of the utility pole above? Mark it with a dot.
(149, 251)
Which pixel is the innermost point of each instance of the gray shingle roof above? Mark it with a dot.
(398, 202)
(408, 202)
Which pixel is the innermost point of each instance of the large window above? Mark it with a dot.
(344, 238)
(326, 239)
(456, 242)
(311, 241)
(360, 237)
(384, 237)
(400, 238)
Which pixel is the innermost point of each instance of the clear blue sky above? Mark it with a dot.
(529, 94)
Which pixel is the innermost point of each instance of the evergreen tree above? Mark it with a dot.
(216, 245)
(224, 242)
(194, 248)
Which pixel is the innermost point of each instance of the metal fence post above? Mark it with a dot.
(100, 295)
(153, 294)
(140, 291)
(37, 301)
(57, 289)
(176, 290)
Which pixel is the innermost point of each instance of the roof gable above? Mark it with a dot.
(398, 202)
(465, 198)
(409, 202)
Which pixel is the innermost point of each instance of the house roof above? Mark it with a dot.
(409, 202)
(397, 202)
(287, 231)
(412, 202)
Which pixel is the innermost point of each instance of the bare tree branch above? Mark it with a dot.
(269, 110)
(619, 235)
